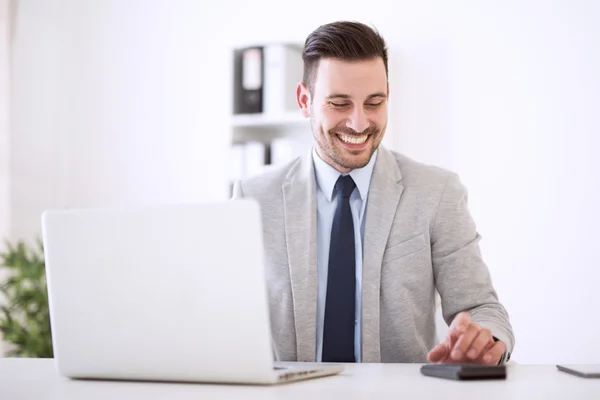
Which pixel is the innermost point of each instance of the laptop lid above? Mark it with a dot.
(173, 292)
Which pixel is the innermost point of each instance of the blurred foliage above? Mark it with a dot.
(24, 315)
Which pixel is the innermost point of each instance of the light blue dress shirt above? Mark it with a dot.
(326, 177)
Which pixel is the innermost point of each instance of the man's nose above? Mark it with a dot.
(358, 120)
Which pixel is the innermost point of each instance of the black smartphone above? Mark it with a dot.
(581, 370)
(464, 371)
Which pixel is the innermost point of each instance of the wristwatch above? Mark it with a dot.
(505, 356)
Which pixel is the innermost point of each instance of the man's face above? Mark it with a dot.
(348, 110)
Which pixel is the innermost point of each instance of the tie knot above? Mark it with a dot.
(344, 186)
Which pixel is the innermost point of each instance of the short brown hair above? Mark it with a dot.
(343, 40)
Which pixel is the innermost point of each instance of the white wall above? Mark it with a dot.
(4, 123)
(114, 103)
(127, 101)
(4, 133)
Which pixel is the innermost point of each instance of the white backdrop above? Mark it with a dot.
(4, 127)
(4, 123)
(128, 101)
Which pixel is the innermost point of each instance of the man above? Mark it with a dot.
(359, 238)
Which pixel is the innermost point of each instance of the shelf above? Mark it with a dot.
(268, 121)
(268, 127)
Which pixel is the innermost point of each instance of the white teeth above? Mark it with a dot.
(353, 139)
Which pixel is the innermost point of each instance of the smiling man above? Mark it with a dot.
(347, 106)
(358, 238)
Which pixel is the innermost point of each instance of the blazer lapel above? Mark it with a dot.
(384, 194)
(300, 213)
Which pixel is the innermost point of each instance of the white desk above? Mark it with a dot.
(28, 379)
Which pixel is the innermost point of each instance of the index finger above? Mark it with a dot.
(460, 324)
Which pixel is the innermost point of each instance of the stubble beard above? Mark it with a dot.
(330, 151)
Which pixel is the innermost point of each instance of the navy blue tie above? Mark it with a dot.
(338, 327)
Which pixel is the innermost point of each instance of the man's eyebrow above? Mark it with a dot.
(379, 94)
(338, 96)
(346, 96)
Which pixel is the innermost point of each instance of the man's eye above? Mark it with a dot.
(338, 105)
(375, 104)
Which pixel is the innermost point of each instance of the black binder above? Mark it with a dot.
(248, 80)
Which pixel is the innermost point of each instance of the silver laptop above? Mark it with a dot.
(163, 293)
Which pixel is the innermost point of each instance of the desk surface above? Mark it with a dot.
(25, 379)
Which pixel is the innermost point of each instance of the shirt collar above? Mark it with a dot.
(327, 176)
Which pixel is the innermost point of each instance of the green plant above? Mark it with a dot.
(25, 317)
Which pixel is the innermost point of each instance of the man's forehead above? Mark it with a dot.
(351, 78)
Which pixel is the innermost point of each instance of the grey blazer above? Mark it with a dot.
(419, 238)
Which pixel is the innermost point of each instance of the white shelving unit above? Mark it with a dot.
(267, 121)
(260, 141)
(264, 128)
(271, 137)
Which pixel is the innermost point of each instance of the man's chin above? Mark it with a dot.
(355, 161)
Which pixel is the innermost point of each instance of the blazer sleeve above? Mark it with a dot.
(462, 277)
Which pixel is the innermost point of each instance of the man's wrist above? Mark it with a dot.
(505, 357)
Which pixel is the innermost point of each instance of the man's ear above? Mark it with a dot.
(303, 99)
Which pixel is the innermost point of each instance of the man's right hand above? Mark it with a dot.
(468, 342)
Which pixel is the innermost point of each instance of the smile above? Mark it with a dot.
(353, 139)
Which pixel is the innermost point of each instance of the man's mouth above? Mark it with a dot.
(353, 139)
